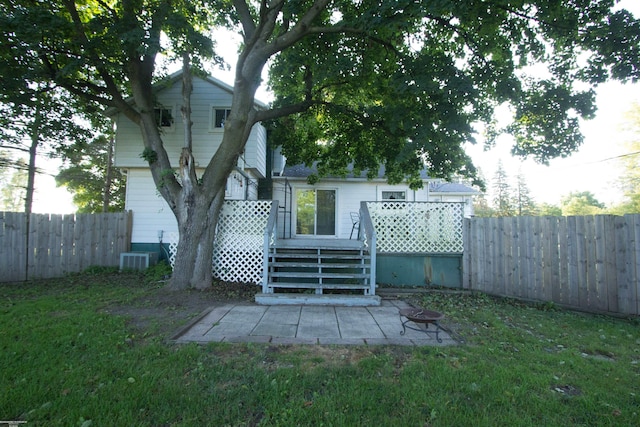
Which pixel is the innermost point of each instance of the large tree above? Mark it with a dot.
(368, 82)
(581, 203)
(13, 183)
(36, 118)
(630, 163)
(89, 175)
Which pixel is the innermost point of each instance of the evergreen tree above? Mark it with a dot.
(524, 202)
(502, 193)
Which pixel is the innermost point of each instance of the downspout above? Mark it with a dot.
(247, 179)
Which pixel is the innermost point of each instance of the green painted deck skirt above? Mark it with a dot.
(392, 269)
(419, 270)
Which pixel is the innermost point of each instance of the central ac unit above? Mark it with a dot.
(137, 260)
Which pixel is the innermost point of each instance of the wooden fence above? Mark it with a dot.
(53, 245)
(589, 263)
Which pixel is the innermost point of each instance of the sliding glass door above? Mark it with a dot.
(315, 212)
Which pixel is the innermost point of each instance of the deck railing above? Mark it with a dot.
(418, 227)
(367, 233)
(270, 238)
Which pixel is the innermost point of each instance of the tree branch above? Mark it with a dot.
(246, 20)
(111, 87)
(300, 29)
(274, 113)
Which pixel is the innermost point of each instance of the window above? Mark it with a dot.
(219, 117)
(394, 195)
(164, 117)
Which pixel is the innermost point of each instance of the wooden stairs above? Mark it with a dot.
(319, 272)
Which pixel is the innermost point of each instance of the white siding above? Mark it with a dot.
(279, 161)
(255, 153)
(206, 96)
(349, 195)
(150, 211)
(468, 201)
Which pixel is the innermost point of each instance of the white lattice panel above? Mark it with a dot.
(172, 239)
(417, 227)
(237, 251)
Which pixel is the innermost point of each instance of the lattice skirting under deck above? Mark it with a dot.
(237, 251)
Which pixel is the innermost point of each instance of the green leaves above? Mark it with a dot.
(404, 78)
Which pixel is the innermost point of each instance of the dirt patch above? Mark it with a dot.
(160, 312)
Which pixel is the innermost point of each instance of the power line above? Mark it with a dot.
(613, 158)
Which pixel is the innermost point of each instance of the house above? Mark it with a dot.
(326, 211)
(211, 101)
(334, 200)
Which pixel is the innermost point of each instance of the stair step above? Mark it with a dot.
(299, 285)
(298, 254)
(324, 266)
(312, 299)
(329, 244)
(316, 275)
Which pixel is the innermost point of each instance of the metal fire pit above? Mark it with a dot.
(419, 315)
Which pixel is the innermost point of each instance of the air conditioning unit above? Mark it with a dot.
(137, 260)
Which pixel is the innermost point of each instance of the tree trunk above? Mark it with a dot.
(196, 203)
(194, 255)
(33, 151)
(106, 197)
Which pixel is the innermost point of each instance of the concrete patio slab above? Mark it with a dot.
(325, 325)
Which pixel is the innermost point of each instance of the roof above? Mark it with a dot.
(303, 171)
(173, 78)
(450, 187)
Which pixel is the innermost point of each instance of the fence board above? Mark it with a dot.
(479, 273)
(563, 267)
(507, 254)
(466, 226)
(516, 266)
(68, 222)
(585, 262)
(635, 272)
(552, 258)
(538, 255)
(12, 246)
(53, 245)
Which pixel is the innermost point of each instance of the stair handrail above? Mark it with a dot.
(270, 237)
(369, 236)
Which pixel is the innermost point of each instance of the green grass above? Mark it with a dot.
(64, 360)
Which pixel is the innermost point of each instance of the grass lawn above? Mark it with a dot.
(91, 350)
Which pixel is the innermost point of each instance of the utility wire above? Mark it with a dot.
(613, 158)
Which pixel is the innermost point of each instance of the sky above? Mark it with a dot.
(591, 168)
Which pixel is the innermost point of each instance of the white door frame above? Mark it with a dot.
(294, 213)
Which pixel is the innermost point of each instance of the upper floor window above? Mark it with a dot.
(164, 117)
(394, 195)
(219, 117)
